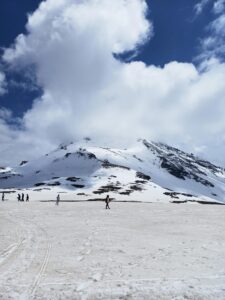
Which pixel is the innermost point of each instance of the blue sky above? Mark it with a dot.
(177, 34)
(13, 18)
(75, 68)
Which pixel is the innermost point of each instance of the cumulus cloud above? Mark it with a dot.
(71, 46)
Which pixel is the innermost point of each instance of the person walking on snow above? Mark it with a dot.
(22, 199)
(18, 197)
(27, 198)
(57, 199)
(107, 202)
(3, 196)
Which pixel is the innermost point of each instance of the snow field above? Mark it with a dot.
(133, 251)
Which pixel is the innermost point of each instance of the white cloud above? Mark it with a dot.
(213, 45)
(199, 7)
(5, 114)
(116, 26)
(2, 84)
(17, 145)
(219, 6)
(86, 91)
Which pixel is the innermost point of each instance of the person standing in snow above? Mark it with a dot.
(18, 197)
(57, 199)
(27, 198)
(3, 196)
(107, 202)
(22, 199)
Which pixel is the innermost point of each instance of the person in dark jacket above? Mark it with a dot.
(22, 198)
(27, 198)
(57, 199)
(3, 196)
(107, 200)
(18, 197)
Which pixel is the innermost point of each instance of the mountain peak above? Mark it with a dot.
(145, 172)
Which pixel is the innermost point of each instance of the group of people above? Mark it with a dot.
(22, 197)
(107, 200)
(19, 197)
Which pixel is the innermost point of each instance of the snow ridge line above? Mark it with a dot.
(41, 271)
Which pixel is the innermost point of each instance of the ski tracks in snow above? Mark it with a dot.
(11, 252)
(19, 257)
(42, 269)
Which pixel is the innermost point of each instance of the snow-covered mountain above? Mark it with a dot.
(149, 171)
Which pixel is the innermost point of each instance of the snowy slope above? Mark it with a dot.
(147, 172)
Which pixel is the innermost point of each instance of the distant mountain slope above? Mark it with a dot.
(149, 171)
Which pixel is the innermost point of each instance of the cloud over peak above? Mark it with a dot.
(87, 91)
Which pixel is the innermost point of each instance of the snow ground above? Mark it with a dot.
(133, 251)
